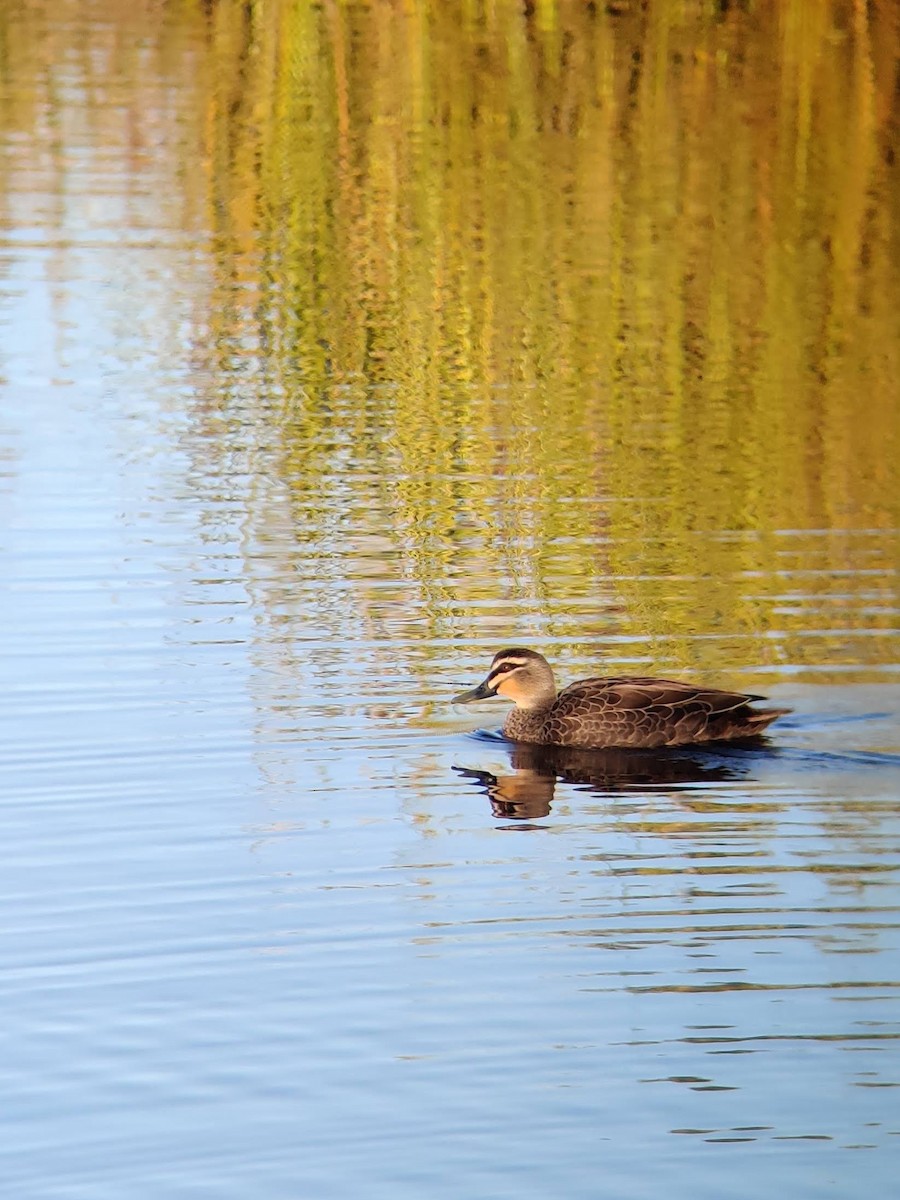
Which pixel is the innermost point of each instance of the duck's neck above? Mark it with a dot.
(525, 724)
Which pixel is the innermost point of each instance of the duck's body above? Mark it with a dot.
(619, 710)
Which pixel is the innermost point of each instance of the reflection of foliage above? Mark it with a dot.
(569, 280)
(557, 309)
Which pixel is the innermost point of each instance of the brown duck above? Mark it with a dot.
(619, 710)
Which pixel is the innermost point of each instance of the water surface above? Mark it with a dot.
(340, 347)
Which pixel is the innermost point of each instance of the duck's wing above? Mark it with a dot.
(640, 710)
(643, 691)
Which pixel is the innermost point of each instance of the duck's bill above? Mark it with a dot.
(482, 692)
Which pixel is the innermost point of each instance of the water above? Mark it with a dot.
(315, 395)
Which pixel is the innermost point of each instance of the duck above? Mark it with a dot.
(616, 710)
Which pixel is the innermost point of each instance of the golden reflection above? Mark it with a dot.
(590, 299)
(575, 321)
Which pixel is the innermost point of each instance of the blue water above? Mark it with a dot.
(260, 938)
(275, 923)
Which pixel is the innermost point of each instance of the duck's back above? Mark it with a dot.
(634, 710)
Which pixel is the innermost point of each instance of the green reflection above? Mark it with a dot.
(592, 300)
(561, 322)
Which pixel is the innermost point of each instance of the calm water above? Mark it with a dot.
(340, 347)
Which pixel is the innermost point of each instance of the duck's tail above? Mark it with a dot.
(755, 721)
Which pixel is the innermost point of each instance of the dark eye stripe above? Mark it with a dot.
(502, 668)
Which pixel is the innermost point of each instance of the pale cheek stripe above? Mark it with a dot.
(496, 675)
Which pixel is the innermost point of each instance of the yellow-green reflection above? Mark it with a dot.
(590, 259)
(578, 322)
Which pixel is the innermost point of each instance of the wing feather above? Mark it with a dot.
(646, 711)
(626, 693)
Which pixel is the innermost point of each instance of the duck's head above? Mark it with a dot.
(522, 676)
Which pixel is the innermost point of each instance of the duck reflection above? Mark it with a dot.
(527, 793)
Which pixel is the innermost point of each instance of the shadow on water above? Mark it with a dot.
(527, 793)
